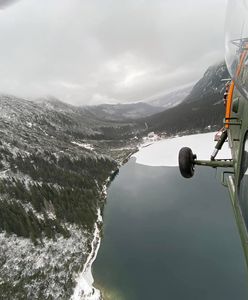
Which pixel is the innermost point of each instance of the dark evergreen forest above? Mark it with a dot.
(67, 188)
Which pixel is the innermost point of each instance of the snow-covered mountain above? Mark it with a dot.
(128, 111)
(171, 99)
(134, 111)
(203, 108)
(56, 160)
(212, 83)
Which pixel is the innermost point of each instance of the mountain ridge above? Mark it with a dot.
(203, 108)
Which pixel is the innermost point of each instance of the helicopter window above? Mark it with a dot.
(243, 186)
(237, 43)
(246, 61)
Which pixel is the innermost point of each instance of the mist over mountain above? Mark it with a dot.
(203, 106)
(171, 99)
(117, 112)
(198, 106)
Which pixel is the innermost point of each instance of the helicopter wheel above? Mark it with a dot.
(186, 162)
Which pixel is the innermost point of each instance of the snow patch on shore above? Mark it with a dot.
(84, 289)
(165, 152)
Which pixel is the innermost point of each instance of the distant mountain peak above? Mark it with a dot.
(171, 98)
(211, 82)
(202, 108)
(54, 103)
(122, 111)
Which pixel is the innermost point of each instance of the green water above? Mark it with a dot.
(166, 237)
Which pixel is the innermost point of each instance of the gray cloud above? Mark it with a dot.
(94, 51)
(6, 3)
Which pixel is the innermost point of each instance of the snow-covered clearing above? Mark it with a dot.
(84, 145)
(165, 152)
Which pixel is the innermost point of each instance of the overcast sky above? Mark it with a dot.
(95, 51)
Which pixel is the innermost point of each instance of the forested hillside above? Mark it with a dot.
(56, 161)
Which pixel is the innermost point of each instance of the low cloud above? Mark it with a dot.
(90, 52)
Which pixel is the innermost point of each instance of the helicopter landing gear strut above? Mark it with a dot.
(220, 143)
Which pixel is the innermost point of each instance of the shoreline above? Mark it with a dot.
(84, 289)
(164, 152)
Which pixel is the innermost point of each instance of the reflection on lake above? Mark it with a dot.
(166, 237)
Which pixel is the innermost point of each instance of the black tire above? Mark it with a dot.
(186, 162)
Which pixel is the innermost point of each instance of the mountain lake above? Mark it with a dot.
(166, 237)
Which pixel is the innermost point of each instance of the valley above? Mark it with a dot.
(56, 162)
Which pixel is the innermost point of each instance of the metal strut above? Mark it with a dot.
(219, 144)
(222, 163)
